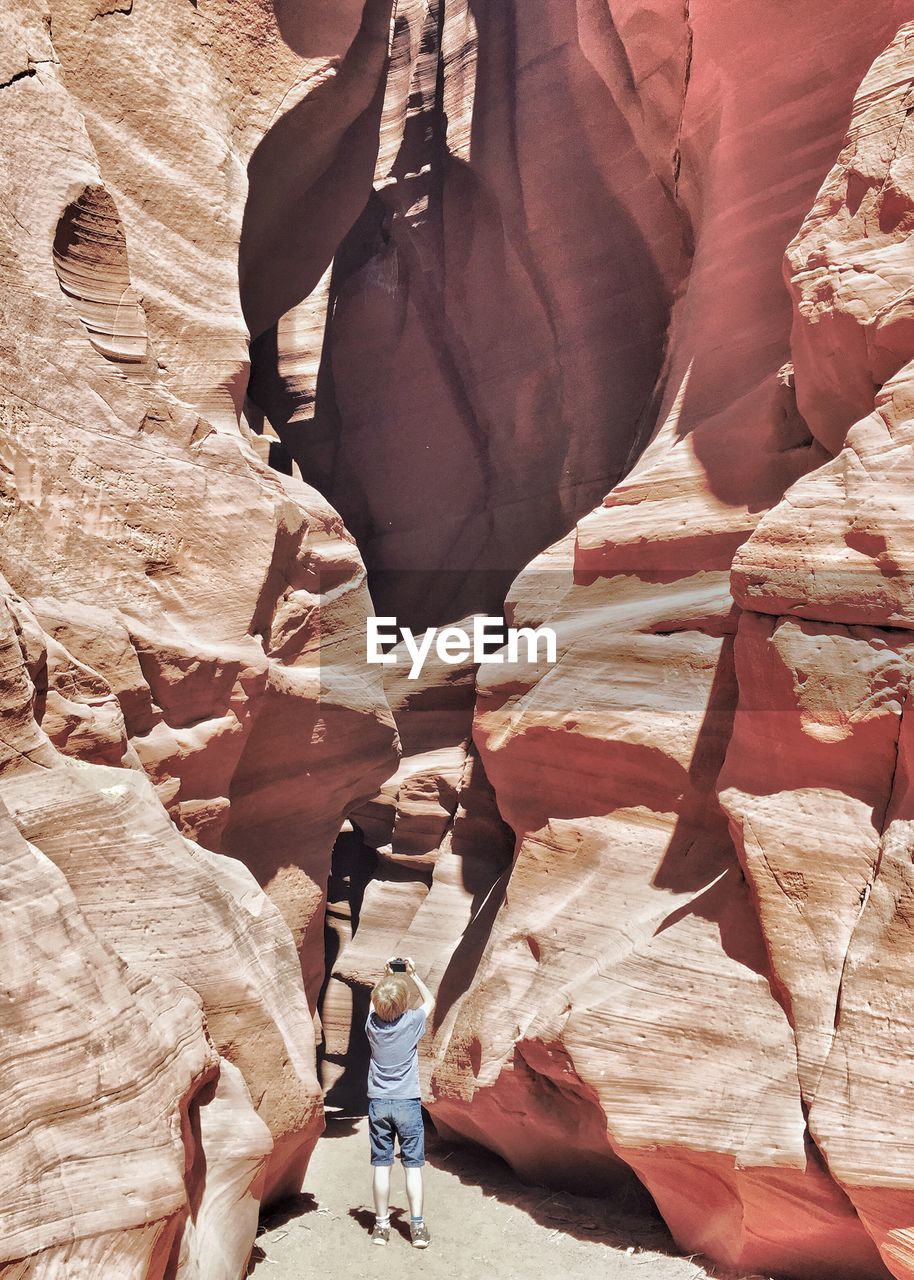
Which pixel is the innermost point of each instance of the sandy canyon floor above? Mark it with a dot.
(482, 1220)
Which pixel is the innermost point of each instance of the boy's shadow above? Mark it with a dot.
(365, 1219)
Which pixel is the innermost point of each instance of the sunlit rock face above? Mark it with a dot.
(159, 1051)
(186, 713)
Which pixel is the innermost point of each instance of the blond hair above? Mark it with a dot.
(390, 997)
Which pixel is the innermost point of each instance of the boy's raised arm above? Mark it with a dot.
(428, 1000)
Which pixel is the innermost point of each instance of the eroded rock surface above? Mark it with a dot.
(181, 640)
(490, 345)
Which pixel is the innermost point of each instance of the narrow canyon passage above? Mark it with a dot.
(463, 368)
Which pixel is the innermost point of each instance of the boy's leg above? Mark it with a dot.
(380, 1186)
(408, 1120)
(414, 1192)
(381, 1137)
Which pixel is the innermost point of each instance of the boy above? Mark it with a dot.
(394, 1108)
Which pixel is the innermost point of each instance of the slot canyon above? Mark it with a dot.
(569, 312)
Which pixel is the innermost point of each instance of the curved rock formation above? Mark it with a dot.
(834, 557)
(100, 1031)
(90, 257)
(181, 641)
(172, 975)
(474, 393)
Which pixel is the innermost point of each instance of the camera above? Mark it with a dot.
(398, 966)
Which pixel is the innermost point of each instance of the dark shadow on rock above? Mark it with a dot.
(353, 865)
(292, 1207)
(349, 1091)
(257, 1256)
(464, 962)
(602, 774)
(456, 274)
(318, 30)
(704, 830)
(310, 176)
(701, 858)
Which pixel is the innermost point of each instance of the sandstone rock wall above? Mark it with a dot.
(487, 343)
(181, 636)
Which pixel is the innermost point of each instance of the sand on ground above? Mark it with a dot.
(483, 1223)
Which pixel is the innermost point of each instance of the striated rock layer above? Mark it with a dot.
(160, 1062)
(828, 626)
(708, 800)
(186, 715)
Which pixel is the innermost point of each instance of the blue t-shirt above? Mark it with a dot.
(394, 1070)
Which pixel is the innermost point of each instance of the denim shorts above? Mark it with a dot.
(400, 1117)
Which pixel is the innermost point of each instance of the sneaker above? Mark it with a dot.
(419, 1236)
(380, 1235)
